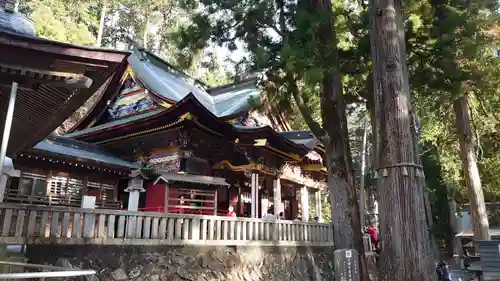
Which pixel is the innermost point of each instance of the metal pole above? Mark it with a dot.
(6, 132)
(56, 271)
(31, 275)
(363, 175)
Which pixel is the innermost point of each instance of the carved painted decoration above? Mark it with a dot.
(295, 174)
(172, 166)
(167, 163)
(253, 119)
(254, 167)
(133, 98)
(246, 121)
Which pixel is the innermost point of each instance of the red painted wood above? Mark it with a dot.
(155, 198)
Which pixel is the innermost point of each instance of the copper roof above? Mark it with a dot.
(54, 80)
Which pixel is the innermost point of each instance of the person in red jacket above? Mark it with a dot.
(230, 211)
(372, 231)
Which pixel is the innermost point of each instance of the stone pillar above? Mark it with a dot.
(318, 198)
(277, 196)
(134, 188)
(304, 203)
(255, 195)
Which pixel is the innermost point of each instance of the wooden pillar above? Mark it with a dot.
(255, 195)
(215, 201)
(304, 202)
(317, 196)
(277, 197)
(3, 185)
(239, 211)
(165, 206)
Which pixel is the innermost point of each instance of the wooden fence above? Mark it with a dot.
(29, 224)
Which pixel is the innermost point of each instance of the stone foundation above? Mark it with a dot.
(190, 263)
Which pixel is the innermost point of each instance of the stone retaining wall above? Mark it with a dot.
(191, 263)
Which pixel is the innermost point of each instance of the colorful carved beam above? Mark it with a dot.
(260, 168)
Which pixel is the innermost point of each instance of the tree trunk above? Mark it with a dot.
(374, 119)
(101, 23)
(480, 224)
(362, 193)
(404, 234)
(434, 250)
(341, 212)
(456, 243)
(345, 207)
(145, 29)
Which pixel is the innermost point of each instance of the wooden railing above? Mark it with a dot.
(28, 224)
(57, 200)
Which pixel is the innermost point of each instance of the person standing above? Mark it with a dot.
(231, 212)
(270, 215)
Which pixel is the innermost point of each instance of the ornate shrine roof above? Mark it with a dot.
(190, 110)
(172, 85)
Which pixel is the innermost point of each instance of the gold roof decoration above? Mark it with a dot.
(294, 174)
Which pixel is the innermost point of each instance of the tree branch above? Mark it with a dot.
(305, 111)
(262, 25)
(483, 108)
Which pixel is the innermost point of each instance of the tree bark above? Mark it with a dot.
(101, 23)
(472, 179)
(362, 193)
(341, 177)
(404, 234)
(374, 119)
(434, 250)
(456, 247)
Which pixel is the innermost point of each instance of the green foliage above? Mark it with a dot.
(438, 195)
(77, 22)
(326, 210)
(63, 20)
(278, 37)
(451, 54)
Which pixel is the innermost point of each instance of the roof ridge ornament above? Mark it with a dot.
(10, 6)
(13, 21)
(186, 116)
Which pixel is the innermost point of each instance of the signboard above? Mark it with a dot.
(346, 265)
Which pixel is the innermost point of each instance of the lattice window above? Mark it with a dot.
(74, 188)
(32, 184)
(107, 192)
(102, 191)
(107, 195)
(246, 197)
(65, 190)
(94, 189)
(58, 186)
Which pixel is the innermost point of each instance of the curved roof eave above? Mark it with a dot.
(171, 85)
(78, 149)
(208, 117)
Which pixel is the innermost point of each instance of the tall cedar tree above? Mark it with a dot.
(295, 45)
(405, 244)
(454, 23)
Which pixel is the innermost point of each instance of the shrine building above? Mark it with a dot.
(158, 140)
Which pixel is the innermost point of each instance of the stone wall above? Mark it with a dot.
(190, 263)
